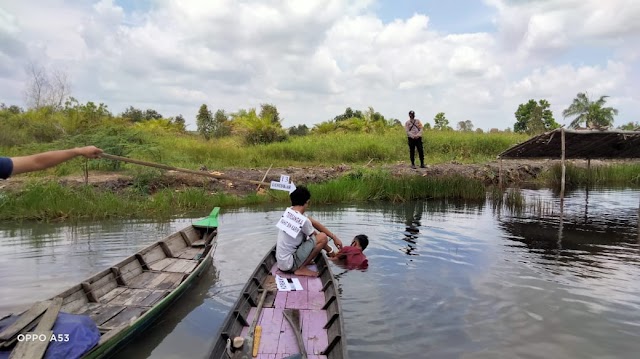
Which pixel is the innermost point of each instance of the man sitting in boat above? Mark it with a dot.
(351, 257)
(295, 253)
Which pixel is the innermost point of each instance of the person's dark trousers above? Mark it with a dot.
(413, 143)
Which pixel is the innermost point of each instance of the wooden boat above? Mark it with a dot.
(318, 322)
(124, 299)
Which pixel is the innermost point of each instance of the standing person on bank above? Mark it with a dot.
(414, 136)
(44, 160)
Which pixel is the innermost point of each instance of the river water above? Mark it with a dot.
(445, 280)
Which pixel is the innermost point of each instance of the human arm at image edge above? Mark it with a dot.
(44, 160)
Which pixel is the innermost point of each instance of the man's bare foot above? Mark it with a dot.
(306, 272)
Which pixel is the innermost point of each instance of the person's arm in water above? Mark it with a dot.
(319, 226)
(338, 256)
(41, 161)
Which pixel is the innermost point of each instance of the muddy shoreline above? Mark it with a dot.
(513, 172)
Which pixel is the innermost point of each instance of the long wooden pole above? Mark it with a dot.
(170, 168)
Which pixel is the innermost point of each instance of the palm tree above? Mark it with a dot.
(590, 113)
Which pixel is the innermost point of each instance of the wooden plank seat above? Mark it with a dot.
(101, 313)
(174, 265)
(107, 316)
(191, 253)
(156, 280)
(124, 316)
(134, 297)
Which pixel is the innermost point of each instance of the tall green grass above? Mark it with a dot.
(615, 174)
(192, 152)
(52, 201)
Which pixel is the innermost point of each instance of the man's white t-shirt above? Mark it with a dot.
(286, 245)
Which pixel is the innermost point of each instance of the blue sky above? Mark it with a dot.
(457, 16)
(472, 60)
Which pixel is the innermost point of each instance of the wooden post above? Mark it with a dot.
(86, 171)
(564, 169)
(500, 174)
(263, 178)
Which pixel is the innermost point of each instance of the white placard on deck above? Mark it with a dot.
(288, 284)
(291, 222)
(284, 179)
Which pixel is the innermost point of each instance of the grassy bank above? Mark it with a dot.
(577, 176)
(51, 201)
(192, 152)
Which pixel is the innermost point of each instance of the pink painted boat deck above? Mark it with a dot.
(278, 340)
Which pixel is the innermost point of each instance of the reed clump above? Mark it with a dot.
(52, 201)
(579, 176)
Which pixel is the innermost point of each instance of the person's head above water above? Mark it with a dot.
(360, 241)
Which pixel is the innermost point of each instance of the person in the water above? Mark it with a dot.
(351, 256)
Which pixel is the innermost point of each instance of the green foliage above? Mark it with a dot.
(368, 121)
(440, 122)
(133, 114)
(180, 123)
(590, 113)
(257, 130)
(159, 125)
(348, 114)
(221, 126)
(616, 174)
(465, 125)
(41, 125)
(151, 114)
(204, 121)
(79, 118)
(300, 130)
(12, 109)
(144, 180)
(534, 118)
(52, 201)
(271, 112)
(367, 185)
(630, 126)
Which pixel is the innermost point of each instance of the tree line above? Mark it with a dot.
(535, 117)
(48, 96)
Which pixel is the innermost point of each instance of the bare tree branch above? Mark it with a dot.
(46, 89)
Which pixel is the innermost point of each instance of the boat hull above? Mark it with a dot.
(317, 304)
(125, 299)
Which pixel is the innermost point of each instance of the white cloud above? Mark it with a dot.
(312, 59)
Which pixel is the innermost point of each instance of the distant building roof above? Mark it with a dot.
(579, 144)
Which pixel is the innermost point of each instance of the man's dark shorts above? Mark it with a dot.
(303, 252)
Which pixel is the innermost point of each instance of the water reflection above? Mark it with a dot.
(484, 285)
(577, 238)
(413, 215)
